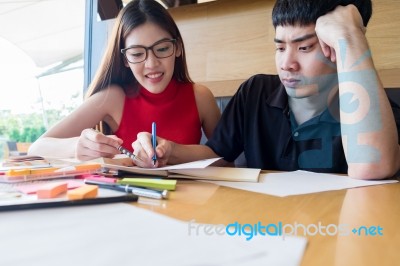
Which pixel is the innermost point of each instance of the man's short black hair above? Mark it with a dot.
(306, 12)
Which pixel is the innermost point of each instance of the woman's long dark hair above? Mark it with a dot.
(112, 69)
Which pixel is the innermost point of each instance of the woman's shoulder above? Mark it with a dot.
(205, 100)
(110, 102)
(115, 89)
(113, 92)
(202, 91)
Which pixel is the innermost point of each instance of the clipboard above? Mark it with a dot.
(62, 202)
(12, 198)
(22, 201)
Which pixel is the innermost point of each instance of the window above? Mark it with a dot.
(41, 66)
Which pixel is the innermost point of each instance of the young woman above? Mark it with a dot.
(143, 78)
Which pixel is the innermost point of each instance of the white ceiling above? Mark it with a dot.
(49, 31)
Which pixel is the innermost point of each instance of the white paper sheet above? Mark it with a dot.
(300, 182)
(120, 234)
(161, 171)
(191, 165)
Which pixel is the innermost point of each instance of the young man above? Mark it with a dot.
(326, 111)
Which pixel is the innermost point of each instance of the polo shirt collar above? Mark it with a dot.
(279, 99)
(327, 116)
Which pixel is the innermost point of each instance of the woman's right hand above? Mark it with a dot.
(93, 144)
(144, 150)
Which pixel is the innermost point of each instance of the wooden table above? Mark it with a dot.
(352, 208)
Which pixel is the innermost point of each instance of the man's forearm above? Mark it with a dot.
(368, 128)
(188, 153)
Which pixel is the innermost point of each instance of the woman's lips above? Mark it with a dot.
(155, 77)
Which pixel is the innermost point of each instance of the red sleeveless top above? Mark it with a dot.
(174, 110)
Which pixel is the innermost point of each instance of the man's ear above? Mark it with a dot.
(178, 48)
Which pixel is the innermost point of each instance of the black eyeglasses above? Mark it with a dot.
(138, 53)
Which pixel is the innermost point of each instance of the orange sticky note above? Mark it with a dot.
(83, 167)
(83, 192)
(32, 188)
(18, 172)
(51, 190)
(43, 171)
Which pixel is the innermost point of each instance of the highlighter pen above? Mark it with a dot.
(154, 141)
(130, 154)
(142, 192)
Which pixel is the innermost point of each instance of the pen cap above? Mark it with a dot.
(165, 194)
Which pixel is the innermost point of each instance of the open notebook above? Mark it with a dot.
(193, 170)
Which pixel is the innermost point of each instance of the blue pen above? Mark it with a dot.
(154, 141)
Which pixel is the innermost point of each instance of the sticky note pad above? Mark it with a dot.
(83, 192)
(98, 178)
(82, 167)
(161, 184)
(51, 190)
(18, 172)
(32, 188)
(43, 171)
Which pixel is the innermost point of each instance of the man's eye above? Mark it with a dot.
(305, 48)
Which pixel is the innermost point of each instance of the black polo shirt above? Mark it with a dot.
(258, 121)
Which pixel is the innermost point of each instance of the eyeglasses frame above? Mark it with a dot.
(123, 51)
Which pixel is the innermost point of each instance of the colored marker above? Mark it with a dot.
(130, 154)
(142, 192)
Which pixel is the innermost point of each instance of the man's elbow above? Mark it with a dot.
(386, 169)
